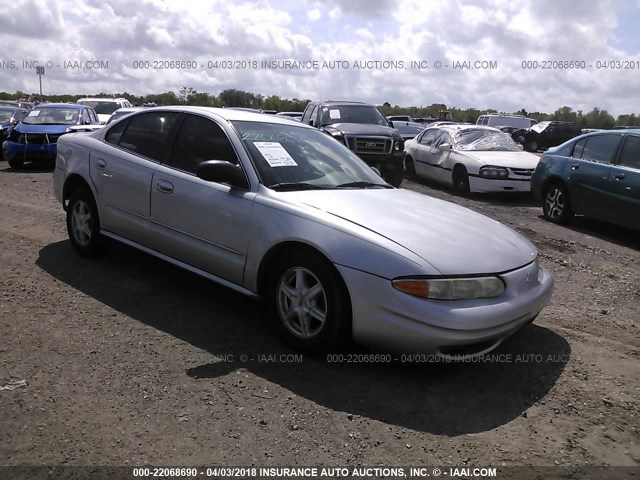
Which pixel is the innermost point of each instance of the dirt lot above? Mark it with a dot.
(122, 361)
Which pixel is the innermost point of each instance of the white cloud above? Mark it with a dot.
(314, 14)
(503, 31)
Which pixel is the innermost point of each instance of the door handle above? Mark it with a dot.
(620, 176)
(164, 186)
(575, 166)
(101, 164)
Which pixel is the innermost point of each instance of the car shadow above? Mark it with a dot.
(621, 236)
(441, 398)
(30, 167)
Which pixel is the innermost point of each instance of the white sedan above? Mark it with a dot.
(470, 158)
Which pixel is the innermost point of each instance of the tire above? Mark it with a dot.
(394, 175)
(16, 164)
(460, 179)
(308, 302)
(83, 224)
(556, 204)
(532, 146)
(409, 167)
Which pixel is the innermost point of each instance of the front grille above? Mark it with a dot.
(522, 172)
(39, 138)
(370, 145)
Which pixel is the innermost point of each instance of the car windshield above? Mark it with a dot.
(481, 139)
(539, 127)
(52, 116)
(5, 115)
(296, 158)
(102, 107)
(367, 114)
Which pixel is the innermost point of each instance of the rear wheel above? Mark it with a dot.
(556, 205)
(460, 180)
(309, 303)
(83, 224)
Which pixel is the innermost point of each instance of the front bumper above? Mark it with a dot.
(486, 185)
(387, 318)
(28, 152)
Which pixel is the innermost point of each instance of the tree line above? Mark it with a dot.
(596, 118)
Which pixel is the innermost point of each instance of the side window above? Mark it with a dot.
(428, 136)
(314, 115)
(114, 134)
(93, 116)
(578, 148)
(443, 138)
(600, 148)
(85, 117)
(485, 120)
(147, 133)
(200, 139)
(630, 156)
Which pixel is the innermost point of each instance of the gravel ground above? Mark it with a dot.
(129, 361)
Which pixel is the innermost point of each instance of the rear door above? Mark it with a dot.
(587, 173)
(122, 170)
(624, 183)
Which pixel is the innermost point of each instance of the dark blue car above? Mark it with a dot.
(9, 116)
(596, 175)
(35, 137)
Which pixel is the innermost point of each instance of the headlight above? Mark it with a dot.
(494, 172)
(451, 288)
(398, 145)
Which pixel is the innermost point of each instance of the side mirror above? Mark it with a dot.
(312, 123)
(444, 147)
(391, 124)
(222, 172)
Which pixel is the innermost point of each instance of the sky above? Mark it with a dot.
(368, 47)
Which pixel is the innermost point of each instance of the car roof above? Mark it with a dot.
(458, 127)
(61, 105)
(229, 114)
(102, 99)
(345, 102)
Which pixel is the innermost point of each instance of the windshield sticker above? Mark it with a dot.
(34, 113)
(333, 114)
(275, 154)
(68, 116)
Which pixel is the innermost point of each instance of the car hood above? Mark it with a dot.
(55, 129)
(451, 238)
(503, 159)
(360, 129)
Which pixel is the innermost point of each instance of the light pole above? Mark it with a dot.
(40, 72)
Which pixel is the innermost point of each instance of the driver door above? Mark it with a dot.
(201, 223)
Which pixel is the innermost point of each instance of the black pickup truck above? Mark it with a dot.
(365, 131)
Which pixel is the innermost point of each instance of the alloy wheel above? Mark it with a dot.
(302, 303)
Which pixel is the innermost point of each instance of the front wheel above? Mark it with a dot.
(556, 205)
(394, 175)
(460, 180)
(409, 167)
(308, 301)
(16, 164)
(83, 224)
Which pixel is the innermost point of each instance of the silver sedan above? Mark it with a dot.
(280, 211)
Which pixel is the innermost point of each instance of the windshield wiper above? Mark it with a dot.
(296, 186)
(362, 184)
